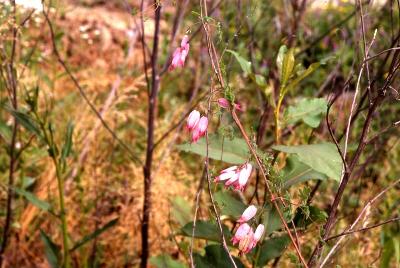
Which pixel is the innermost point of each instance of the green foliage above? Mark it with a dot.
(296, 172)
(233, 151)
(270, 249)
(215, 257)
(165, 261)
(181, 211)
(244, 64)
(52, 251)
(95, 234)
(205, 230)
(43, 205)
(310, 111)
(322, 157)
(229, 205)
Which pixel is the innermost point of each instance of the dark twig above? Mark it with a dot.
(147, 168)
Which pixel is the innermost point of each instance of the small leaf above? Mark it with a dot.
(287, 67)
(322, 157)
(244, 64)
(233, 151)
(215, 257)
(52, 251)
(205, 230)
(228, 204)
(310, 111)
(303, 75)
(297, 172)
(271, 249)
(66, 150)
(165, 261)
(181, 211)
(95, 234)
(43, 205)
(26, 121)
(279, 59)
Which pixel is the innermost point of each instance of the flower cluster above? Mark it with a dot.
(235, 176)
(197, 125)
(179, 56)
(245, 236)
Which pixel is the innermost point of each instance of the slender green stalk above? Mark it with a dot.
(60, 182)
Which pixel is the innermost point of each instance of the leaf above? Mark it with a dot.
(287, 67)
(322, 157)
(228, 204)
(309, 111)
(279, 59)
(260, 80)
(233, 151)
(215, 257)
(26, 121)
(205, 230)
(5, 132)
(296, 172)
(271, 249)
(306, 215)
(43, 205)
(165, 261)
(271, 219)
(181, 211)
(95, 234)
(66, 150)
(52, 251)
(303, 75)
(244, 64)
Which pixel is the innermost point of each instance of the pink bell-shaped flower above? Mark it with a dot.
(248, 213)
(241, 232)
(193, 120)
(180, 54)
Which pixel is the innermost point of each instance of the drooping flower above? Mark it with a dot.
(180, 54)
(193, 120)
(200, 129)
(259, 232)
(236, 177)
(224, 103)
(241, 232)
(248, 213)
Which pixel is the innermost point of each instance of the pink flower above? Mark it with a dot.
(200, 129)
(180, 53)
(259, 232)
(193, 120)
(223, 103)
(248, 213)
(241, 233)
(236, 177)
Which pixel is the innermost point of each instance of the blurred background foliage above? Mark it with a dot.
(100, 42)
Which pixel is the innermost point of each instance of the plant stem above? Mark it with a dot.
(60, 183)
(277, 114)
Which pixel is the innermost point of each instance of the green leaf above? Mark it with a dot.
(66, 150)
(287, 67)
(306, 215)
(95, 234)
(165, 261)
(228, 204)
(52, 251)
(297, 172)
(205, 230)
(233, 151)
(279, 59)
(322, 157)
(215, 257)
(303, 75)
(271, 219)
(43, 205)
(310, 111)
(181, 211)
(244, 64)
(5, 132)
(26, 121)
(271, 249)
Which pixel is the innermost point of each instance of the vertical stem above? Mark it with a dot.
(277, 114)
(12, 82)
(60, 184)
(155, 83)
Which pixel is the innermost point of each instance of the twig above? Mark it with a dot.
(147, 168)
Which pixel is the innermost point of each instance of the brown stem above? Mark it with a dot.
(155, 84)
